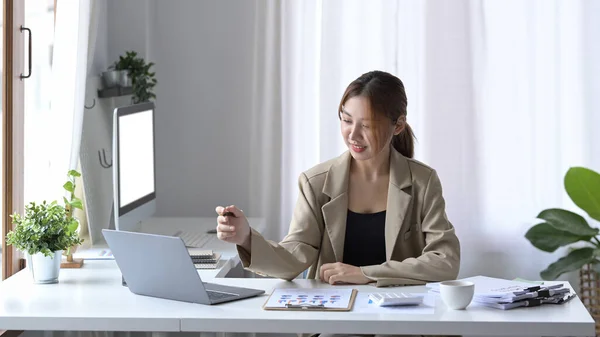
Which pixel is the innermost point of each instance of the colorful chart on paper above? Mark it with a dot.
(329, 298)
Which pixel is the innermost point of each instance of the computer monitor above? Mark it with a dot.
(134, 166)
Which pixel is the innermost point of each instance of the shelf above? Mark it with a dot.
(114, 92)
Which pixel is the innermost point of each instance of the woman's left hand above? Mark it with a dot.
(338, 272)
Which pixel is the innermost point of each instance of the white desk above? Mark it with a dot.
(90, 298)
(570, 319)
(93, 299)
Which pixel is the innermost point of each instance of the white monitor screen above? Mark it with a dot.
(136, 156)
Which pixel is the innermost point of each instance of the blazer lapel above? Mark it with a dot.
(398, 200)
(336, 210)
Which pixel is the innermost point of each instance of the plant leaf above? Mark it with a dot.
(583, 187)
(567, 221)
(74, 173)
(68, 186)
(77, 204)
(575, 260)
(547, 238)
(73, 226)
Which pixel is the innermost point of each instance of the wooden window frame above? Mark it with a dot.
(12, 128)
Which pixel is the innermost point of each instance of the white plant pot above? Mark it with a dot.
(124, 79)
(44, 269)
(110, 78)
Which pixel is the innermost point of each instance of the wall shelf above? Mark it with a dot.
(114, 92)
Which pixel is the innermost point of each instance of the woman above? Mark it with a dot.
(373, 214)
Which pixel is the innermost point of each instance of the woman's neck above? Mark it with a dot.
(374, 168)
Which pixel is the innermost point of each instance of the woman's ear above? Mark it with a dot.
(400, 125)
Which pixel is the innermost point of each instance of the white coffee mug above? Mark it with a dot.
(457, 294)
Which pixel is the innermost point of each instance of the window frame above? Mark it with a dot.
(12, 128)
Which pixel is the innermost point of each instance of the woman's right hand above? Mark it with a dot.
(232, 226)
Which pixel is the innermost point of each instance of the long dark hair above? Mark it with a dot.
(387, 97)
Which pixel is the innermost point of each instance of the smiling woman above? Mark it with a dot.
(373, 199)
(380, 99)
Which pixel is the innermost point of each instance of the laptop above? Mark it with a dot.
(160, 266)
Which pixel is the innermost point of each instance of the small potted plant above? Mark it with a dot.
(110, 77)
(44, 232)
(135, 72)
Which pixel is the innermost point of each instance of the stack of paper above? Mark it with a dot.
(204, 258)
(507, 294)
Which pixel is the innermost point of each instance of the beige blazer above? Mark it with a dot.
(420, 241)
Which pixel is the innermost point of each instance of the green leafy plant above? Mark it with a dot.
(47, 227)
(69, 186)
(563, 228)
(143, 81)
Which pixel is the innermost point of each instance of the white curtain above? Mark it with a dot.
(69, 72)
(496, 94)
(529, 122)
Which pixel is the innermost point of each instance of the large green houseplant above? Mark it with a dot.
(562, 228)
(45, 231)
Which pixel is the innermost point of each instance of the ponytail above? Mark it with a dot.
(404, 142)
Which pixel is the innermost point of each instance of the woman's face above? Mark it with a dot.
(360, 132)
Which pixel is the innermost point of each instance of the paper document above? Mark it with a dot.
(492, 287)
(533, 302)
(508, 294)
(326, 298)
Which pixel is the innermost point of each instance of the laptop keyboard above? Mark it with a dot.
(217, 295)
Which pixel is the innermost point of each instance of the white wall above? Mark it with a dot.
(203, 56)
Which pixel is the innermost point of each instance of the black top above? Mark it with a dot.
(365, 239)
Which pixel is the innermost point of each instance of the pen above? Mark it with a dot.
(536, 288)
(549, 292)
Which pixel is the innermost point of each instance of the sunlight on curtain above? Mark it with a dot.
(54, 97)
(72, 53)
(324, 46)
(69, 71)
(40, 127)
(495, 97)
(529, 122)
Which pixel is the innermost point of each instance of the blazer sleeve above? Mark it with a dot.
(440, 259)
(300, 247)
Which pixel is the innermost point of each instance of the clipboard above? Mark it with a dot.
(311, 299)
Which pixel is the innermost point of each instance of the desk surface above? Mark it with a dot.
(93, 299)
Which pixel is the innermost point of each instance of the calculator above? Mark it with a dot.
(393, 299)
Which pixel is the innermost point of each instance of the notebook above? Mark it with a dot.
(204, 258)
(198, 253)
